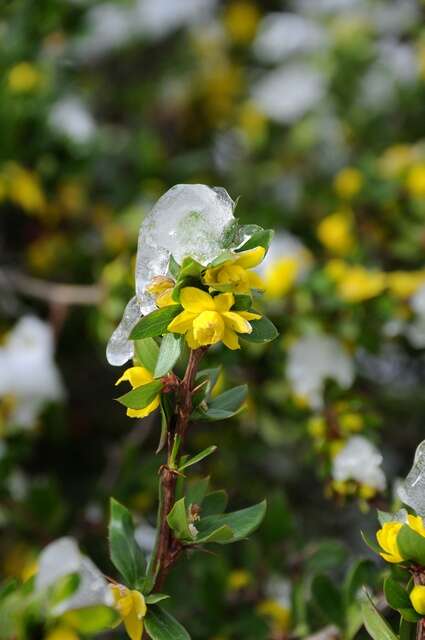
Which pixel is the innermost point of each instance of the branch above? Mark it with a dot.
(56, 292)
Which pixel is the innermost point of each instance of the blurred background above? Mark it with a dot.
(312, 112)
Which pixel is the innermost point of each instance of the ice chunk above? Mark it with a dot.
(188, 220)
(412, 490)
(63, 557)
(359, 460)
(314, 359)
(120, 348)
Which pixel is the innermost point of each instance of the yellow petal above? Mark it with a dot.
(236, 322)
(139, 604)
(165, 299)
(136, 376)
(142, 413)
(255, 281)
(251, 258)
(134, 626)
(182, 322)
(230, 339)
(208, 328)
(248, 315)
(224, 302)
(196, 300)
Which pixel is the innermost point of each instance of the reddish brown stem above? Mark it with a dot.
(169, 549)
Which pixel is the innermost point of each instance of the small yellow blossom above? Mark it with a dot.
(132, 608)
(24, 78)
(207, 320)
(161, 288)
(348, 183)
(335, 447)
(367, 492)
(280, 277)
(415, 181)
(252, 122)
(403, 284)
(138, 376)
(417, 598)
(343, 487)
(279, 615)
(395, 160)
(238, 579)
(360, 284)
(336, 269)
(62, 633)
(387, 537)
(24, 189)
(351, 422)
(317, 427)
(241, 18)
(335, 233)
(233, 275)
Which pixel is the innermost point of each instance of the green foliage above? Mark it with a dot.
(140, 397)
(169, 353)
(125, 553)
(375, 624)
(160, 625)
(156, 323)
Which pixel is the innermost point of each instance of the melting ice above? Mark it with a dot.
(188, 220)
(412, 490)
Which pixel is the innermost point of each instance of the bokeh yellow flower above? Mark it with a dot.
(335, 232)
(415, 181)
(348, 182)
(233, 275)
(395, 160)
(238, 579)
(24, 189)
(241, 18)
(24, 77)
(132, 608)
(138, 376)
(278, 615)
(207, 320)
(403, 284)
(356, 283)
(280, 277)
(62, 633)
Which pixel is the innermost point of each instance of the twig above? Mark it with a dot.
(56, 292)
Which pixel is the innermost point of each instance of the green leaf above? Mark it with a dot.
(411, 545)
(407, 630)
(410, 615)
(260, 238)
(214, 503)
(242, 303)
(140, 397)
(160, 625)
(360, 575)
(328, 600)
(174, 268)
(211, 374)
(395, 595)
(199, 456)
(375, 625)
(190, 268)
(263, 330)
(170, 350)
(329, 554)
(125, 553)
(63, 588)
(91, 619)
(147, 352)
(221, 535)
(177, 520)
(370, 543)
(154, 598)
(225, 405)
(196, 490)
(242, 522)
(156, 323)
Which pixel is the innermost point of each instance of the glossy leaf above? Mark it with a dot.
(147, 352)
(411, 545)
(242, 523)
(263, 330)
(177, 520)
(140, 397)
(224, 406)
(328, 600)
(91, 619)
(260, 238)
(125, 553)
(375, 624)
(169, 353)
(199, 456)
(156, 323)
(161, 625)
(396, 596)
(214, 503)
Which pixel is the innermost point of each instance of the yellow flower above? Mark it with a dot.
(351, 422)
(161, 288)
(348, 182)
(252, 122)
(132, 608)
(387, 537)
(62, 633)
(25, 189)
(279, 615)
(367, 492)
(404, 284)
(24, 78)
(415, 181)
(417, 598)
(335, 232)
(138, 376)
(281, 276)
(360, 284)
(395, 160)
(232, 275)
(238, 579)
(207, 320)
(241, 19)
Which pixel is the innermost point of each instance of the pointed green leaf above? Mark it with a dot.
(225, 405)
(199, 456)
(242, 522)
(177, 520)
(196, 490)
(263, 330)
(140, 397)
(91, 620)
(125, 553)
(147, 352)
(370, 543)
(160, 625)
(169, 353)
(361, 574)
(328, 600)
(375, 625)
(411, 545)
(154, 598)
(260, 238)
(156, 323)
(222, 535)
(407, 630)
(395, 595)
(214, 503)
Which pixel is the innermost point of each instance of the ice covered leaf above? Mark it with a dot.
(188, 220)
(412, 490)
(62, 558)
